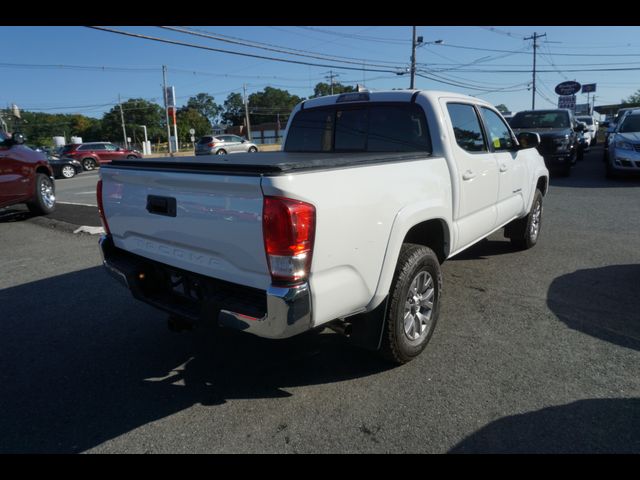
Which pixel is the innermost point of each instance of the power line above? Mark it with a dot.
(277, 48)
(231, 52)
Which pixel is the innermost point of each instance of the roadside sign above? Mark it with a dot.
(192, 131)
(193, 139)
(588, 87)
(567, 88)
(171, 96)
(567, 101)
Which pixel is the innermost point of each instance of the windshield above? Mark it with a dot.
(587, 120)
(630, 124)
(540, 120)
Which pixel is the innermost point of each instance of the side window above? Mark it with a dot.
(83, 148)
(466, 127)
(110, 147)
(99, 146)
(499, 135)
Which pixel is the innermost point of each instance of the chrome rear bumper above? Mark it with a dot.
(288, 309)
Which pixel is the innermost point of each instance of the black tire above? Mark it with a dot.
(132, 157)
(253, 150)
(88, 164)
(43, 203)
(580, 154)
(525, 232)
(414, 261)
(222, 151)
(594, 140)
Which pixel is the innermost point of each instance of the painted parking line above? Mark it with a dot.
(82, 204)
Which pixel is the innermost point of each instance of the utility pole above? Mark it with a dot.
(413, 59)
(330, 77)
(124, 130)
(535, 37)
(166, 111)
(246, 111)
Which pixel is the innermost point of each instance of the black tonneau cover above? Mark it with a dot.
(268, 163)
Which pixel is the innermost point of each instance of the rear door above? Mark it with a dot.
(477, 169)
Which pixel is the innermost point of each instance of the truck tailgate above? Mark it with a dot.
(209, 223)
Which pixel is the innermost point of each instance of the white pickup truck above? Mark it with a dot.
(345, 227)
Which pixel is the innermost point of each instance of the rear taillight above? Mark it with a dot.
(105, 225)
(213, 144)
(289, 228)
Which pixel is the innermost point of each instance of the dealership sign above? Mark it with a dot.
(567, 88)
(588, 87)
(567, 101)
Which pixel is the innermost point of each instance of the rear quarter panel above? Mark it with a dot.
(356, 211)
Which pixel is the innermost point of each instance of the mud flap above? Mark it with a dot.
(367, 328)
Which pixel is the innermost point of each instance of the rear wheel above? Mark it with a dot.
(131, 157)
(88, 164)
(253, 150)
(222, 151)
(44, 200)
(414, 304)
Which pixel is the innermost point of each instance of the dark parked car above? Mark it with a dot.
(94, 154)
(25, 176)
(559, 136)
(64, 167)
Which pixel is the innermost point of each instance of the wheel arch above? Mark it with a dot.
(428, 227)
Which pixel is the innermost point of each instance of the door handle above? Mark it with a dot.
(468, 175)
(504, 167)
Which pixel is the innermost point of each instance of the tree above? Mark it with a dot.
(205, 104)
(188, 118)
(233, 110)
(502, 108)
(137, 112)
(322, 89)
(270, 104)
(633, 99)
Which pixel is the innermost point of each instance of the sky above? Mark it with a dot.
(82, 70)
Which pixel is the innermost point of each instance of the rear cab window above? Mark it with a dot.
(374, 127)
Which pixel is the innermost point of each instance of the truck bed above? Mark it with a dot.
(267, 163)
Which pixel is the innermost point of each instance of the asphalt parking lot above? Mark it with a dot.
(536, 351)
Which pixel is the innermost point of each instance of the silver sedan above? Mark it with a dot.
(223, 144)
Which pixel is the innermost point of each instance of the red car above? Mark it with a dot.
(25, 176)
(94, 154)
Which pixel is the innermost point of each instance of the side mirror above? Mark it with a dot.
(528, 139)
(18, 138)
